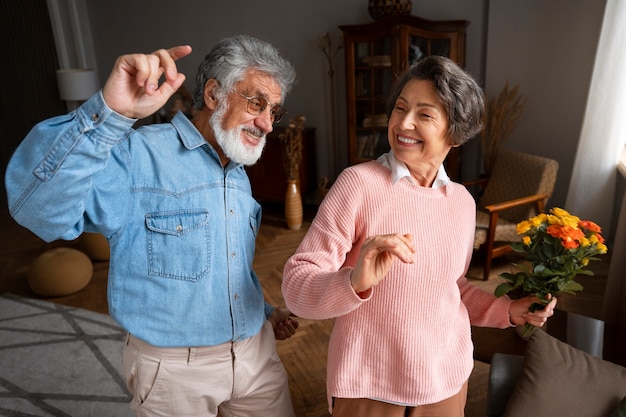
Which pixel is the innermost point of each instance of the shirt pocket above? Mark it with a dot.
(178, 244)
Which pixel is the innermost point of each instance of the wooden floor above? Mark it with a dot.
(304, 355)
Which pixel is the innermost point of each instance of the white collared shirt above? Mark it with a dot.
(399, 170)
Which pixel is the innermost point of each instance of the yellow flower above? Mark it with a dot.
(537, 220)
(559, 212)
(601, 248)
(585, 261)
(523, 227)
(552, 219)
(571, 221)
(584, 242)
(526, 240)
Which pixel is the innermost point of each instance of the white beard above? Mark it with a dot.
(230, 140)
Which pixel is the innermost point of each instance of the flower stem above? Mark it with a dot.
(529, 329)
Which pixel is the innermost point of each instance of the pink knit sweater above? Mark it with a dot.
(409, 342)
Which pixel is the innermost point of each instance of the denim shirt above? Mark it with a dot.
(181, 228)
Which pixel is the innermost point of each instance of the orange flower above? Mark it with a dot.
(589, 225)
(570, 236)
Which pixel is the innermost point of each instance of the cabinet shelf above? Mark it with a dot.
(375, 54)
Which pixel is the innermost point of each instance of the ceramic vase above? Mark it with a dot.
(293, 205)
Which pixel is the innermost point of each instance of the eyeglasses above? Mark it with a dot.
(257, 105)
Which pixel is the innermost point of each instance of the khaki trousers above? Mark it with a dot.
(242, 379)
(363, 407)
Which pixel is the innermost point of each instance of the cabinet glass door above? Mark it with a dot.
(372, 78)
(420, 47)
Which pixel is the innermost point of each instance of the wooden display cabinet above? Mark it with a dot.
(375, 54)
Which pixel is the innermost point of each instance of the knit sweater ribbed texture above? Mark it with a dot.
(409, 341)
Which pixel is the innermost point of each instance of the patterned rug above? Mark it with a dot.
(59, 361)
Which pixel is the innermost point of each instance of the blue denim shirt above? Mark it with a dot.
(181, 227)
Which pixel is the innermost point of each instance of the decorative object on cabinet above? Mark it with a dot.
(501, 115)
(383, 8)
(326, 46)
(375, 54)
(291, 140)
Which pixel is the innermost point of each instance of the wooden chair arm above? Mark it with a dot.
(538, 199)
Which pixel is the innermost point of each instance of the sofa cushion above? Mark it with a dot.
(559, 380)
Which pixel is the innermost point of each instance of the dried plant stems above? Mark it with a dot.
(501, 115)
(291, 140)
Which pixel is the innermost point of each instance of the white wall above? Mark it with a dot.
(294, 26)
(548, 47)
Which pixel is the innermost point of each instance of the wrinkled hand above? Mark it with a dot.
(133, 89)
(376, 257)
(519, 313)
(283, 323)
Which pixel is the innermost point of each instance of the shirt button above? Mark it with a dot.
(232, 212)
(232, 254)
(95, 117)
(179, 228)
(236, 297)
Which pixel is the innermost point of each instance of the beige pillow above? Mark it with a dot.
(559, 380)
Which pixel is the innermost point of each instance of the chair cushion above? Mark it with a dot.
(505, 230)
(560, 380)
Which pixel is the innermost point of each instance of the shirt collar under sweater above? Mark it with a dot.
(399, 170)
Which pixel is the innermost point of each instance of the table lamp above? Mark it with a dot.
(76, 85)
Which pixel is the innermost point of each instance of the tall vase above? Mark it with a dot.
(293, 205)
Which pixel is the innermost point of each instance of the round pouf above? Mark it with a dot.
(94, 245)
(59, 271)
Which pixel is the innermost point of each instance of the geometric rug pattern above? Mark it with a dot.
(59, 361)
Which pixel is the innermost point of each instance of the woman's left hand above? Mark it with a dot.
(519, 311)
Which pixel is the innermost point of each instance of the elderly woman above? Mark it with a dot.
(387, 256)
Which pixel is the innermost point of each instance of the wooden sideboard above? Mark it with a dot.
(267, 176)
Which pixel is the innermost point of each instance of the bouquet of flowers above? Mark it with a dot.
(558, 247)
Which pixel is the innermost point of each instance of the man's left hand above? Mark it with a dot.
(283, 323)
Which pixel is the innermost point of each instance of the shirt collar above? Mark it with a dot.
(399, 170)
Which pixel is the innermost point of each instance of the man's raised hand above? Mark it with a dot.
(133, 88)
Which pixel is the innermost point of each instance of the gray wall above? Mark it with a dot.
(294, 26)
(546, 45)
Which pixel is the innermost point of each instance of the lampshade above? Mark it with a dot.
(77, 84)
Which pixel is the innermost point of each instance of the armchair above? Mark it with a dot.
(518, 188)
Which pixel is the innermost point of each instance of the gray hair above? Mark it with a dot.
(232, 57)
(458, 92)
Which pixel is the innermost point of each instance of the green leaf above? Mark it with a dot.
(508, 277)
(518, 247)
(572, 286)
(503, 289)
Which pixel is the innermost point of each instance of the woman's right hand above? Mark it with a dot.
(133, 89)
(376, 257)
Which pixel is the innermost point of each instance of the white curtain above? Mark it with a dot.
(593, 193)
(603, 137)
